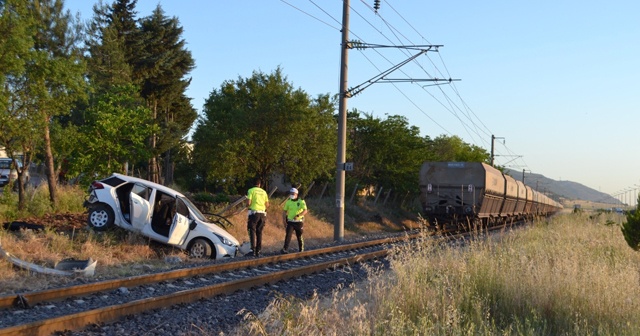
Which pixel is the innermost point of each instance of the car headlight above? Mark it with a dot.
(224, 240)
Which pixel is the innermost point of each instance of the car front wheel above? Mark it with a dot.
(101, 217)
(201, 248)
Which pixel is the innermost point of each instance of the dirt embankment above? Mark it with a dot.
(59, 222)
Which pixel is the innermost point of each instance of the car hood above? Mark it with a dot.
(219, 231)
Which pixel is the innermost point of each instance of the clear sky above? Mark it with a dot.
(556, 80)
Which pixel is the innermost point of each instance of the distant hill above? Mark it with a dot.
(559, 190)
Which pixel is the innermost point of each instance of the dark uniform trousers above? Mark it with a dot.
(254, 226)
(294, 226)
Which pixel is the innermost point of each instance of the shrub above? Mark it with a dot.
(631, 229)
(70, 199)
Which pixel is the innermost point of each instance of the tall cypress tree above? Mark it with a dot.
(112, 41)
(122, 19)
(107, 63)
(162, 68)
(151, 55)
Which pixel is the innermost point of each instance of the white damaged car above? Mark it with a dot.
(157, 212)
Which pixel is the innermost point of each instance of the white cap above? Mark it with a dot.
(293, 191)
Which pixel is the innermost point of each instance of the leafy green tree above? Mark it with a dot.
(44, 83)
(260, 126)
(389, 152)
(386, 152)
(15, 41)
(313, 154)
(109, 41)
(151, 55)
(112, 44)
(445, 148)
(187, 174)
(117, 126)
(16, 29)
(57, 72)
(65, 142)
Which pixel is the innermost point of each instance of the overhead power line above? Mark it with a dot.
(452, 108)
(382, 76)
(475, 127)
(317, 19)
(465, 110)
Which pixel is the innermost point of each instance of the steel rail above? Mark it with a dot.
(28, 299)
(80, 320)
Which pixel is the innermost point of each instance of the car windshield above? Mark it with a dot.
(194, 209)
(6, 163)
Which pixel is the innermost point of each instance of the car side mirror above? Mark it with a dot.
(192, 225)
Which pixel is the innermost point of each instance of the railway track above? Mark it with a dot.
(75, 307)
(84, 304)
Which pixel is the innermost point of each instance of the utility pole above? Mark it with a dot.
(523, 170)
(345, 45)
(338, 229)
(493, 138)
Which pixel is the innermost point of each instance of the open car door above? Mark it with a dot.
(179, 229)
(140, 207)
(180, 225)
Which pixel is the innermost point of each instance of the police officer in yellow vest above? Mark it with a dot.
(258, 200)
(294, 211)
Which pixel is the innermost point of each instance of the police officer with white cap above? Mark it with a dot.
(294, 211)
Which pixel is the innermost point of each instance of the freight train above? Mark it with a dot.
(475, 193)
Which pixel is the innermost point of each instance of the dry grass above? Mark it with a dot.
(316, 231)
(120, 253)
(319, 226)
(570, 276)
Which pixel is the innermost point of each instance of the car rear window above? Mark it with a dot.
(113, 181)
